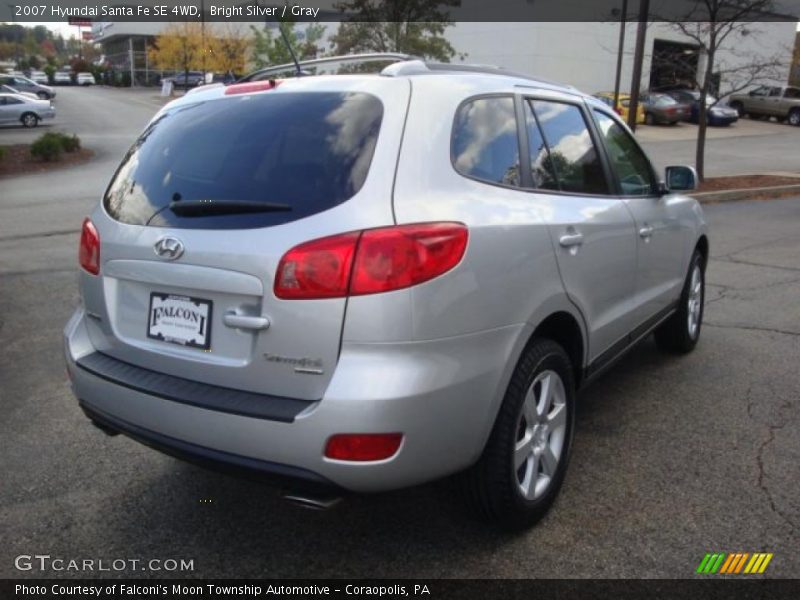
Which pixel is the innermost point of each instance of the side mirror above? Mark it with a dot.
(680, 179)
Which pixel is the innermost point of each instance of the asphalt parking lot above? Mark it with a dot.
(674, 457)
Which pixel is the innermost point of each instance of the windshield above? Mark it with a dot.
(309, 151)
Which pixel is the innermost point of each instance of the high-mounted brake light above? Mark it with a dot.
(89, 250)
(363, 447)
(370, 262)
(252, 86)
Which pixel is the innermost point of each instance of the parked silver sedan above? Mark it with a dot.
(7, 89)
(16, 108)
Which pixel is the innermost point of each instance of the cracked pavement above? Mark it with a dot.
(674, 456)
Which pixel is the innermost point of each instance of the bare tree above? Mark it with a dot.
(716, 25)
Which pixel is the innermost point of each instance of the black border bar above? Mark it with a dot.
(254, 11)
(244, 589)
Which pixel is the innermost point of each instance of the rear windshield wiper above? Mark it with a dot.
(202, 208)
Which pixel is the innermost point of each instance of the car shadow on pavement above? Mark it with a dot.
(232, 525)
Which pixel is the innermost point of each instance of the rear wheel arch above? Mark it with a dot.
(565, 329)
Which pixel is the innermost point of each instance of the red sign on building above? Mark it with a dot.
(79, 21)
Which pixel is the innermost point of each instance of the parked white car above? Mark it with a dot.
(19, 108)
(85, 79)
(62, 78)
(39, 77)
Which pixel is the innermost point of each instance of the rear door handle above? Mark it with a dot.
(645, 232)
(568, 240)
(232, 319)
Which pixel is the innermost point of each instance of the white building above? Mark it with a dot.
(585, 54)
(582, 54)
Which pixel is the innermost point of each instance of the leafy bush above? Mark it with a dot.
(50, 145)
(70, 143)
(3, 152)
(47, 147)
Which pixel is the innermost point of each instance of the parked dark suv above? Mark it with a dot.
(187, 80)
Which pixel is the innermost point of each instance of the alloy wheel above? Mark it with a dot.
(695, 301)
(541, 432)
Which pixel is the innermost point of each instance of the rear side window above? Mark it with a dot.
(543, 174)
(485, 145)
(574, 158)
(306, 151)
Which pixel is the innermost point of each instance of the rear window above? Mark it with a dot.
(307, 151)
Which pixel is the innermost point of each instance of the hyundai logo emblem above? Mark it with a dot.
(169, 248)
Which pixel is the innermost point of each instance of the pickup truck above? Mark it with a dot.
(769, 101)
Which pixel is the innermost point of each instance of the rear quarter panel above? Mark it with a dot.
(508, 276)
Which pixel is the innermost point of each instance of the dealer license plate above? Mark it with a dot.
(180, 320)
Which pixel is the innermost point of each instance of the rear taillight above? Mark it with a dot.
(363, 447)
(89, 251)
(317, 269)
(371, 261)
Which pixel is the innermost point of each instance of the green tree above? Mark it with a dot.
(270, 49)
(716, 25)
(179, 48)
(410, 26)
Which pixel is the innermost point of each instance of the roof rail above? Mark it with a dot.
(418, 67)
(345, 58)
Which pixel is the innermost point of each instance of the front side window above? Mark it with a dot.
(627, 159)
(573, 155)
(485, 145)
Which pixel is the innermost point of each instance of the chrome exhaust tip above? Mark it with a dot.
(311, 501)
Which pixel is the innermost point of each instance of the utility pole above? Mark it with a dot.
(203, 36)
(638, 59)
(620, 51)
(11, 8)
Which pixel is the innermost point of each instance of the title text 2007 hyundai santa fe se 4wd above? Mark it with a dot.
(365, 282)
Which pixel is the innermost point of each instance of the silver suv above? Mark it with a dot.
(366, 282)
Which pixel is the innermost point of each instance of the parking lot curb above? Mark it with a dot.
(746, 194)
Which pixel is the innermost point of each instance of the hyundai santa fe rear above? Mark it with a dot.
(365, 282)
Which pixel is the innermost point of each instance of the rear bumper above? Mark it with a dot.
(441, 394)
(216, 460)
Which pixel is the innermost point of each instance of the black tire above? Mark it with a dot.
(675, 335)
(649, 119)
(29, 120)
(492, 485)
(794, 117)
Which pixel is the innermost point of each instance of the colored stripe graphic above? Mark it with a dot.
(727, 564)
(754, 563)
(741, 562)
(703, 563)
(734, 563)
(764, 564)
(718, 564)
